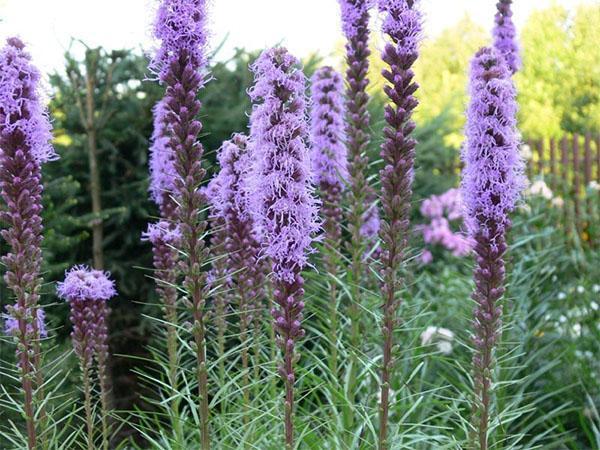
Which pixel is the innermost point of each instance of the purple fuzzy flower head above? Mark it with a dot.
(181, 29)
(83, 283)
(162, 232)
(403, 23)
(493, 174)
(329, 155)
(21, 109)
(162, 158)
(11, 324)
(283, 201)
(228, 191)
(355, 15)
(505, 35)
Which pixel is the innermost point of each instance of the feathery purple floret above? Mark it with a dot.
(505, 35)
(493, 174)
(21, 109)
(229, 190)
(284, 205)
(355, 15)
(180, 26)
(11, 324)
(329, 155)
(162, 232)
(162, 159)
(403, 23)
(83, 283)
(441, 210)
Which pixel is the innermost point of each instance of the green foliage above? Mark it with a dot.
(442, 73)
(559, 85)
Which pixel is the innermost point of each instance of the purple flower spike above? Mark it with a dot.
(329, 155)
(87, 292)
(491, 186)
(505, 35)
(355, 25)
(283, 200)
(181, 66)
(402, 24)
(21, 109)
(162, 164)
(24, 146)
(493, 175)
(228, 193)
(284, 204)
(329, 162)
(181, 29)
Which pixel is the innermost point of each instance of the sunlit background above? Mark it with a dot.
(304, 26)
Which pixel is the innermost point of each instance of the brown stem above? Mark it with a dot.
(95, 187)
(28, 403)
(87, 392)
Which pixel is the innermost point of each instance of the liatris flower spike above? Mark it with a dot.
(492, 183)
(505, 35)
(402, 24)
(329, 162)
(229, 197)
(355, 25)
(87, 292)
(180, 63)
(283, 200)
(25, 136)
(162, 164)
(164, 236)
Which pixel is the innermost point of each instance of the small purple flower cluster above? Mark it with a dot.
(441, 210)
(11, 324)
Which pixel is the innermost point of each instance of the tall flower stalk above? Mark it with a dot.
(164, 235)
(25, 135)
(402, 24)
(355, 25)
(492, 182)
(329, 161)
(87, 292)
(241, 243)
(181, 65)
(219, 282)
(505, 35)
(282, 199)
